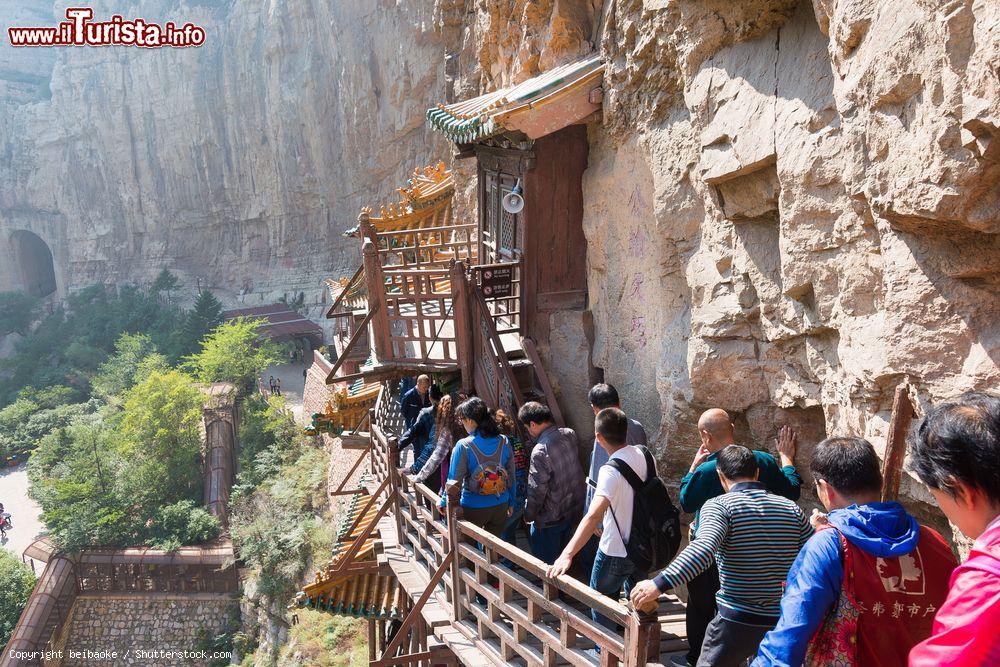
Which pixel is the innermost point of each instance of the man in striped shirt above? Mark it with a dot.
(753, 536)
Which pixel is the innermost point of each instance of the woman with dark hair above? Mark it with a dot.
(444, 440)
(422, 437)
(482, 478)
(955, 451)
(509, 428)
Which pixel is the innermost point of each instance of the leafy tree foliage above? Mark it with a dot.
(68, 347)
(281, 476)
(162, 441)
(133, 477)
(38, 412)
(18, 311)
(123, 369)
(234, 352)
(165, 282)
(16, 583)
(204, 316)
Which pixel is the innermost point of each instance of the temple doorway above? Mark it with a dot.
(33, 259)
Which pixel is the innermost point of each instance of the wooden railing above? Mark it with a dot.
(497, 595)
(493, 374)
(430, 247)
(505, 310)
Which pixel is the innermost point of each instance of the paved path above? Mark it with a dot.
(292, 384)
(25, 514)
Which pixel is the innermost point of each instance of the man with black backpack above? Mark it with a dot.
(754, 536)
(640, 525)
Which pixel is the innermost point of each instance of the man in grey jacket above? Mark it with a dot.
(555, 482)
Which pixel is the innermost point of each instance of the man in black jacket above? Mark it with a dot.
(415, 400)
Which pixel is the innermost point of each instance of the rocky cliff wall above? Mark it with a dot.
(791, 207)
(239, 162)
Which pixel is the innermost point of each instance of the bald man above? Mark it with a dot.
(701, 484)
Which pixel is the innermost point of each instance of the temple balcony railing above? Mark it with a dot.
(494, 594)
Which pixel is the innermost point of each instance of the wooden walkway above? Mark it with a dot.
(509, 613)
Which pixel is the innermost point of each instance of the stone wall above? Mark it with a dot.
(791, 207)
(148, 623)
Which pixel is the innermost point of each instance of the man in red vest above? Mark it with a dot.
(865, 588)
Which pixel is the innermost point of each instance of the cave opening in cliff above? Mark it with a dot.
(34, 263)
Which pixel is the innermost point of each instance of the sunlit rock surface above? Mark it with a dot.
(791, 207)
(238, 163)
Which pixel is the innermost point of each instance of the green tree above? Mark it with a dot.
(234, 352)
(165, 282)
(119, 372)
(18, 311)
(161, 441)
(73, 475)
(205, 316)
(129, 477)
(69, 346)
(16, 584)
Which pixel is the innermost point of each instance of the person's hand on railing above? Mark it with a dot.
(644, 596)
(560, 566)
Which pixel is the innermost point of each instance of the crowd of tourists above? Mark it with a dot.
(863, 583)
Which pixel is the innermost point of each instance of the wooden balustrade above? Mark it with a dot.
(493, 374)
(505, 310)
(430, 247)
(419, 309)
(498, 595)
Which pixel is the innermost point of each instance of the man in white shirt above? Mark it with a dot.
(612, 505)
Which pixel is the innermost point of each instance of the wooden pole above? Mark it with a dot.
(642, 638)
(376, 301)
(895, 446)
(456, 596)
(463, 323)
(394, 488)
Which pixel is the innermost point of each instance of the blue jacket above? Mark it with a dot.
(421, 437)
(411, 404)
(464, 463)
(881, 529)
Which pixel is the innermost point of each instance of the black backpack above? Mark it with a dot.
(656, 523)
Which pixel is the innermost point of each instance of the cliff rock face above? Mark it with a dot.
(791, 207)
(239, 162)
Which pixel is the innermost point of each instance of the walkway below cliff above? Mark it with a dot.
(25, 513)
(292, 385)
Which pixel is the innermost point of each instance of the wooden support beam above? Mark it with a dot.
(453, 537)
(435, 655)
(531, 350)
(368, 505)
(414, 612)
(376, 301)
(895, 446)
(331, 377)
(642, 638)
(340, 489)
(463, 324)
(334, 309)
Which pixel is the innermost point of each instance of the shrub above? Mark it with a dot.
(16, 583)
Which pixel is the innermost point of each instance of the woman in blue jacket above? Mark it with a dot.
(482, 478)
